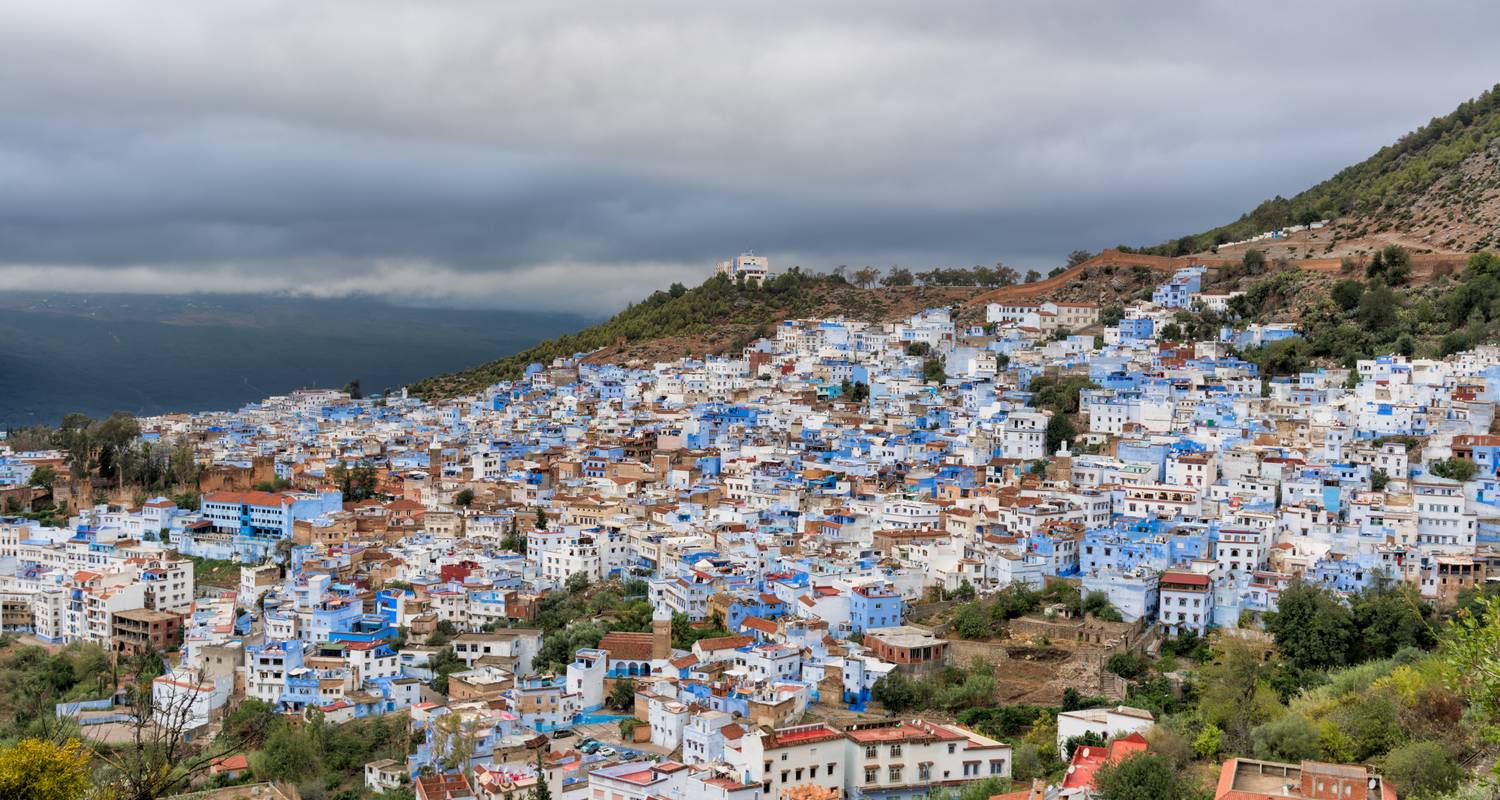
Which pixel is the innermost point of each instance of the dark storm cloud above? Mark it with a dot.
(511, 153)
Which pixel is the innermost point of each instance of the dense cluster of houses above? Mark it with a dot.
(754, 491)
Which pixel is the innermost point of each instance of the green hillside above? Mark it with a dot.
(717, 316)
(1383, 187)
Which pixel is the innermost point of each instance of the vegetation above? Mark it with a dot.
(1356, 320)
(215, 571)
(1385, 183)
(35, 769)
(1144, 776)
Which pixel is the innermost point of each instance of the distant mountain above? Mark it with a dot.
(155, 354)
(1435, 189)
(716, 317)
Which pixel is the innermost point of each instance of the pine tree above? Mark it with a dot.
(539, 790)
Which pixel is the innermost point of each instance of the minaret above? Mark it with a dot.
(661, 633)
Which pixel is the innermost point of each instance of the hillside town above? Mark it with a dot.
(708, 578)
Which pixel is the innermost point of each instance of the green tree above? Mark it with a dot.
(541, 518)
(1078, 257)
(932, 371)
(896, 692)
(1377, 307)
(1388, 618)
(1235, 694)
(1457, 469)
(44, 476)
(1312, 628)
(1143, 777)
(464, 498)
(1289, 738)
(540, 790)
(622, 695)
(1422, 769)
(1253, 261)
(1471, 650)
(1059, 430)
(288, 755)
(897, 276)
(1346, 293)
(576, 582)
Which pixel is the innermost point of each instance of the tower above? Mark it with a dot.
(661, 633)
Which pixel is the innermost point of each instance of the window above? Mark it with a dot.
(870, 751)
(895, 773)
(997, 766)
(871, 773)
(895, 750)
(971, 768)
(924, 772)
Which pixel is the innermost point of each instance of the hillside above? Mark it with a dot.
(1437, 189)
(715, 317)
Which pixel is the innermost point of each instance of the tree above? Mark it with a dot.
(1377, 307)
(865, 277)
(1312, 628)
(183, 463)
(622, 695)
(932, 371)
(540, 790)
(1253, 261)
(1078, 257)
(971, 622)
(1128, 665)
(576, 582)
(1059, 430)
(1289, 738)
(1456, 469)
(44, 476)
(1235, 694)
(1471, 650)
(1389, 618)
(158, 759)
(895, 691)
(1346, 293)
(288, 755)
(352, 389)
(34, 769)
(1391, 264)
(1085, 739)
(464, 498)
(1143, 776)
(513, 540)
(897, 276)
(1422, 769)
(541, 518)
(1032, 276)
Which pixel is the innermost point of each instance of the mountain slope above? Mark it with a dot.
(715, 317)
(1436, 188)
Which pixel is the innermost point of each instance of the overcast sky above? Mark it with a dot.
(578, 155)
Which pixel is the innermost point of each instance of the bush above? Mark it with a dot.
(1422, 769)
(1128, 665)
(1290, 738)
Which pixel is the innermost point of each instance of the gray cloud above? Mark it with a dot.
(509, 154)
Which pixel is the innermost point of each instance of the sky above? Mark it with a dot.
(577, 155)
